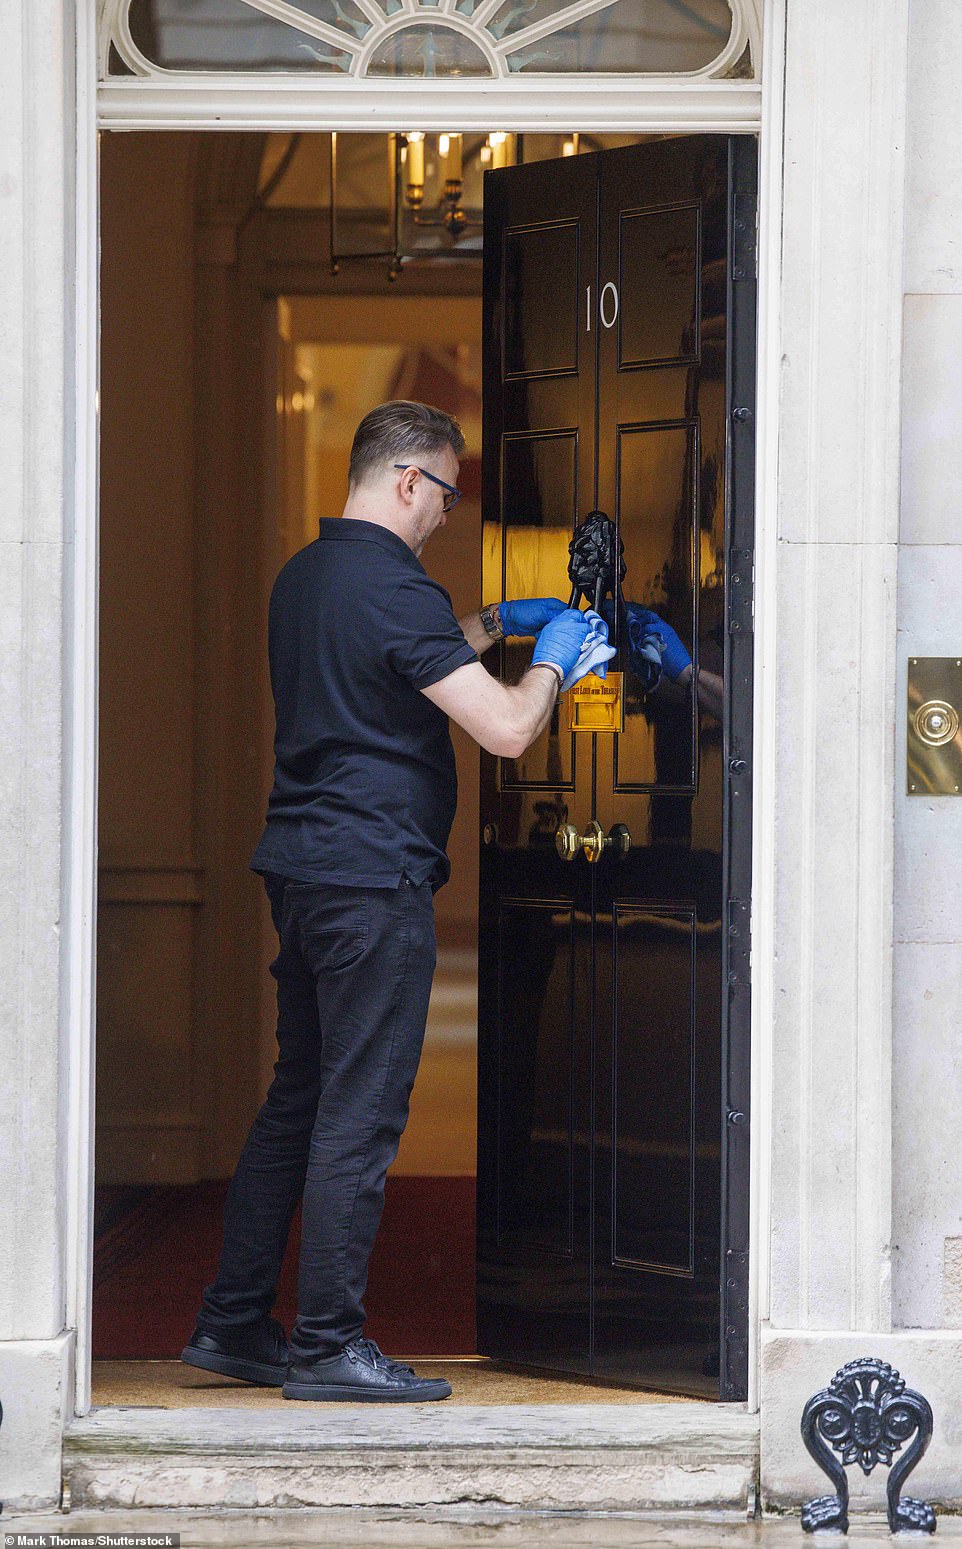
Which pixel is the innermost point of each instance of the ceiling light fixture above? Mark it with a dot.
(417, 162)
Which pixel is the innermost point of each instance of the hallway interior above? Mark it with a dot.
(258, 363)
(156, 1245)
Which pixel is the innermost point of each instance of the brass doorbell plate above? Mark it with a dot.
(934, 739)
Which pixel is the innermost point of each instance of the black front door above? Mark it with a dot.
(613, 1095)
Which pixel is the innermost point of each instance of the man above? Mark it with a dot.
(367, 664)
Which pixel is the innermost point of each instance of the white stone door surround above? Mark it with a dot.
(546, 104)
(825, 974)
(824, 768)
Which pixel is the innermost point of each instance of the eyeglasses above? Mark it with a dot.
(453, 493)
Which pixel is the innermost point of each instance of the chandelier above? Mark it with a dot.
(426, 190)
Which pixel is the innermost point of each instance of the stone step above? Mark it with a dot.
(545, 1457)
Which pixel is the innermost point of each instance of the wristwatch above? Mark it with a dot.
(490, 622)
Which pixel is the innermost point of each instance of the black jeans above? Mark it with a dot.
(353, 973)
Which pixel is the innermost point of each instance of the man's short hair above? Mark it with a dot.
(400, 432)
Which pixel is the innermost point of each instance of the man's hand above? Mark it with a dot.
(529, 615)
(561, 639)
(595, 652)
(642, 622)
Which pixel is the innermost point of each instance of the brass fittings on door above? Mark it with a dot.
(567, 841)
(593, 842)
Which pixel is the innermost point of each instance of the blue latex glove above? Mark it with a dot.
(529, 615)
(595, 653)
(644, 653)
(561, 639)
(653, 645)
(674, 656)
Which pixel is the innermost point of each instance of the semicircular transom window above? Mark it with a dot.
(429, 38)
(427, 50)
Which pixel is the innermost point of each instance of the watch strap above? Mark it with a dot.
(552, 667)
(490, 623)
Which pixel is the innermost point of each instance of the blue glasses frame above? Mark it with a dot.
(452, 489)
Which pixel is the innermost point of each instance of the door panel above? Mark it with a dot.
(536, 1077)
(534, 1153)
(539, 499)
(652, 1087)
(659, 286)
(663, 417)
(613, 383)
(534, 1114)
(539, 341)
(654, 501)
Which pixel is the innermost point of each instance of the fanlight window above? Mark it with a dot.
(430, 38)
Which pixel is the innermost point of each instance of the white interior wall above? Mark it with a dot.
(927, 1046)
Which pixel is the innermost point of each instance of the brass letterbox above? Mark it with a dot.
(597, 704)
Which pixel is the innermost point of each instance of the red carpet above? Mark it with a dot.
(156, 1247)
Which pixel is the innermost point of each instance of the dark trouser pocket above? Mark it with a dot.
(331, 924)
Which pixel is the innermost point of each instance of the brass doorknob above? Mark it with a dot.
(567, 841)
(594, 841)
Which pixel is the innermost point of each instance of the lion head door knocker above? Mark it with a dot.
(867, 1414)
(596, 570)
(597, 566)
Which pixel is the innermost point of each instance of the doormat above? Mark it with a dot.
(157, 1246)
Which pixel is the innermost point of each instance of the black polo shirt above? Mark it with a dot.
(365, 784)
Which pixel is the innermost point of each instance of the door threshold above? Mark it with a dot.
(515, 1457)
(169, 1384)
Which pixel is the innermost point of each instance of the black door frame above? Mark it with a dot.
(739, 724)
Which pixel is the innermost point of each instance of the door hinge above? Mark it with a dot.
(741, 591)
(739, 944)
(744, 238)
(735, 1324)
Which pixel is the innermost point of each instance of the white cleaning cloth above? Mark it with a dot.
(595, 652)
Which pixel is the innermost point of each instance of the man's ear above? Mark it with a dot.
(407, 478)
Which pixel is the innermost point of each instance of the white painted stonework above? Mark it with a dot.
(858, 908)
(837, 531)
(36, 515)
(549, 1457)
(927, 1197)
(866, 1196)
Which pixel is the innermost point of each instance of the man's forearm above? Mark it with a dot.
(710, 688)
(533, 702)
(530, 702)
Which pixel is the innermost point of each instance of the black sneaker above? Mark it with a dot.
(359, 1374)
(258, 1354)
